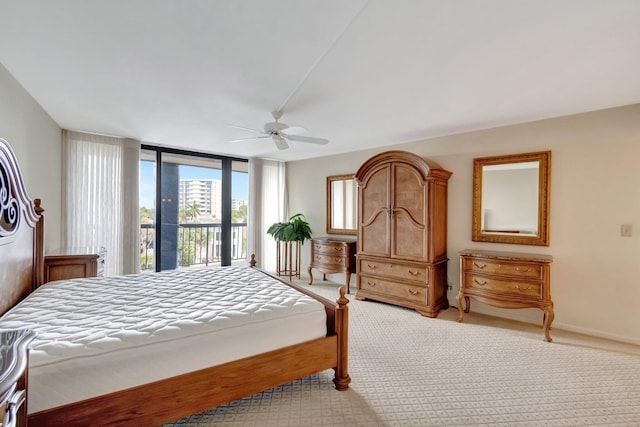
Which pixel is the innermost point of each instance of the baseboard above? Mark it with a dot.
(534, 316)
(596, 333)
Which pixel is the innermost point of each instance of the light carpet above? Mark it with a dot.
(408, 370)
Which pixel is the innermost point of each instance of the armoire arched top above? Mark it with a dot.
(428, 168)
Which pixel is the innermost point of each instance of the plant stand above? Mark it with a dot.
(288, 259)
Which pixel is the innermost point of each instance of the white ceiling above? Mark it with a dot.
(361, 73)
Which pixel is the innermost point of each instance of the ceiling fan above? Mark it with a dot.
(280, 133)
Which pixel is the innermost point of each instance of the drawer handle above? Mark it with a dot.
(414, 273)
(477, 282)
(524, 270)
(524, 289)
(475, 264)
(372, 284)
(337, 249)
(373, 267)
(413, 292)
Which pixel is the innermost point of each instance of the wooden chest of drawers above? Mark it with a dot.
(333, 255)
(507, 280)
(71, 263)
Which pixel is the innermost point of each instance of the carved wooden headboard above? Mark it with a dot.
(21, 234)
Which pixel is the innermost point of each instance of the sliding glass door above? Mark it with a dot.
(199, 209)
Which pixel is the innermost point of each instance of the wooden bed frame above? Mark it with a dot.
(21, 271)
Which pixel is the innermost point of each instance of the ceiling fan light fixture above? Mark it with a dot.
(274, 127)
(280, 142)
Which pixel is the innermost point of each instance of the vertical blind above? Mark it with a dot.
(100, 197)
(267, 204)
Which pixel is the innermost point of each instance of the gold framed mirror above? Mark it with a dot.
(342, 199)
(511, 199)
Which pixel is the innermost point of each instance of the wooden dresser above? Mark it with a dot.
(333, 255)
(506, 280)
(402, 232)
(71, 263)
(14, 358)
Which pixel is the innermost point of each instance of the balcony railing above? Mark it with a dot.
(198, 244)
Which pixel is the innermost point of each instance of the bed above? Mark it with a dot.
(177, 388)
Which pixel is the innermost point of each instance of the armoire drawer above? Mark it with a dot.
(407, 292)
(409, 272)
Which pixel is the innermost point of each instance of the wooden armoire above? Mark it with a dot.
(402, 232)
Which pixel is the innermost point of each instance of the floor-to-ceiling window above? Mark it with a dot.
(193, 209)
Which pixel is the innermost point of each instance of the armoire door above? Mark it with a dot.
(373, 233)
(409, 213)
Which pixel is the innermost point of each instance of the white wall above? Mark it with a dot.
(595, 187)
(36, 140)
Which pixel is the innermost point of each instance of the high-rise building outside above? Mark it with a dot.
(207, 193)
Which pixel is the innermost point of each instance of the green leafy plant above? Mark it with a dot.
(296, 228)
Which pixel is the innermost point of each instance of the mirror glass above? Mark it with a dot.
(342, 199)
(511, 200)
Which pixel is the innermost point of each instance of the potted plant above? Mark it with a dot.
(290, 235)
(296, 228)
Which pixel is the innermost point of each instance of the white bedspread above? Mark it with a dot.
(104, 334)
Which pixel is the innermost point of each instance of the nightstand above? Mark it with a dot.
(333, 255)
(71, 263)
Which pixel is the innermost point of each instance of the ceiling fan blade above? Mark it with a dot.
(293, 130)
(280, 142)
(246, 139)
(308, 139)
(243, 128)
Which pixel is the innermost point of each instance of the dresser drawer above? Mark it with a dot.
(503, 286)
(407, 292)
(414, 273)
(334, 262)
(503, 268)
(330, 248)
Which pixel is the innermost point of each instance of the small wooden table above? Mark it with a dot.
(71, 263)
(507, 280)
(333, 255)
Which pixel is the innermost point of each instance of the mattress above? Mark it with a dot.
(101, 335)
